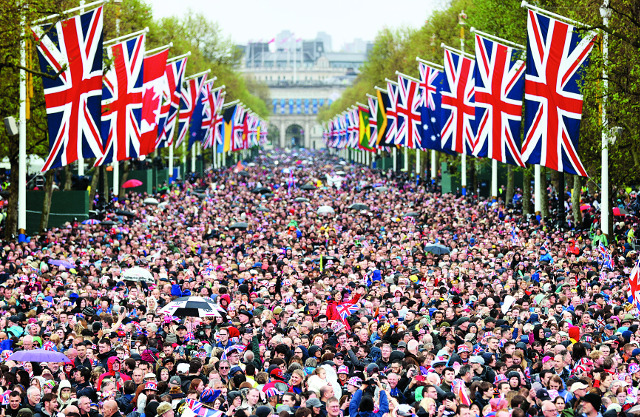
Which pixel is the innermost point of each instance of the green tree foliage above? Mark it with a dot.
(396, 49)
(191, 32)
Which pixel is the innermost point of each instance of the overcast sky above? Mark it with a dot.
(344, 20)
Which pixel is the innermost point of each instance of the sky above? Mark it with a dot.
(344, 20)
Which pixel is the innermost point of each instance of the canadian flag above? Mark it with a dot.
(154, 84)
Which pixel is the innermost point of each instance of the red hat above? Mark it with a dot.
(277, 373)
(233, 332)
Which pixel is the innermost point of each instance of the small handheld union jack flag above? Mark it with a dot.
(634, 284)
(347, 309)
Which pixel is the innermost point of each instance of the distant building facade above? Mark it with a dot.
(303, 77)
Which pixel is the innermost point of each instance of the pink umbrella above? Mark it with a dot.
(132, 183)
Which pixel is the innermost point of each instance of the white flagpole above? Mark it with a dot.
(22, 141)
(170, 162)
(405, 167)
(494, 179)
(395, 158)
(537, 204)
(605, 12)
(463, 180)
(418, 163)
(434, 169)
(81, 160)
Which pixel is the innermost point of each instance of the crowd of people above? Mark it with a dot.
(412, 303)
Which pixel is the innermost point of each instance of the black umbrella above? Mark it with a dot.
(308, 187)
(244, 174)
(267, 195)
(261, 190)
(437, 249)
(125, 213)
(301, 200)
(359, 206)
(192, 306)
(239, 225)
(108, 222)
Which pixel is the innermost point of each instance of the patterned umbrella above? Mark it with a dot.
(192, 306)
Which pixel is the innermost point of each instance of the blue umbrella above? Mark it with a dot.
(38, 355)
(91, 221)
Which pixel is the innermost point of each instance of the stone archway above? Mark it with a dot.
(294, 136)
(273, 135)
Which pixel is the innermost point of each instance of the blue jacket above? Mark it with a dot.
(355, 403)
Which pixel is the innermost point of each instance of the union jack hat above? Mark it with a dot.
(463, 348)
(633, 368)
(151, 385)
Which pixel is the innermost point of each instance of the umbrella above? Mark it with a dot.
(325, 210)
(268, 195)
(239, 225)
(244, 174)
(585, 207)
(61, 262)
(91, 221)
(617, 211)
(263, 209)
(261, 190)
(38, 355)
(301, 200)
(192, 306)
(150, 201)
(367, 187)
(132, 183)
(125, 213)
(381, 189)
(137, 274)
(410, 214)
(308, 187)
(359, 206)
(341, 173)
(437, 249)
(108, 222)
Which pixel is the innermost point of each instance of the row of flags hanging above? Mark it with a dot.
(135, 106)
(473, 104)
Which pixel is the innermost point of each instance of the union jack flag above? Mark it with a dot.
(122, 101)
(72, 47)
(208, 117)
(499, 77)
(188, 104)
(153, 89)
(5, 397)
(174, 71)
(392, 115)
(607, 260)
(556, 55)
(458, 103)
(373, 121)
(217, 122)
(353, 131)
(237, 131)
(347, 309)
(514, 236)
(459, 388)
(201, 118)
(634, 284)
(409, 122)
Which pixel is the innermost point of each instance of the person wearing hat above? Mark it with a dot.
(165, 410)
(316, 407)
(589, 405)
